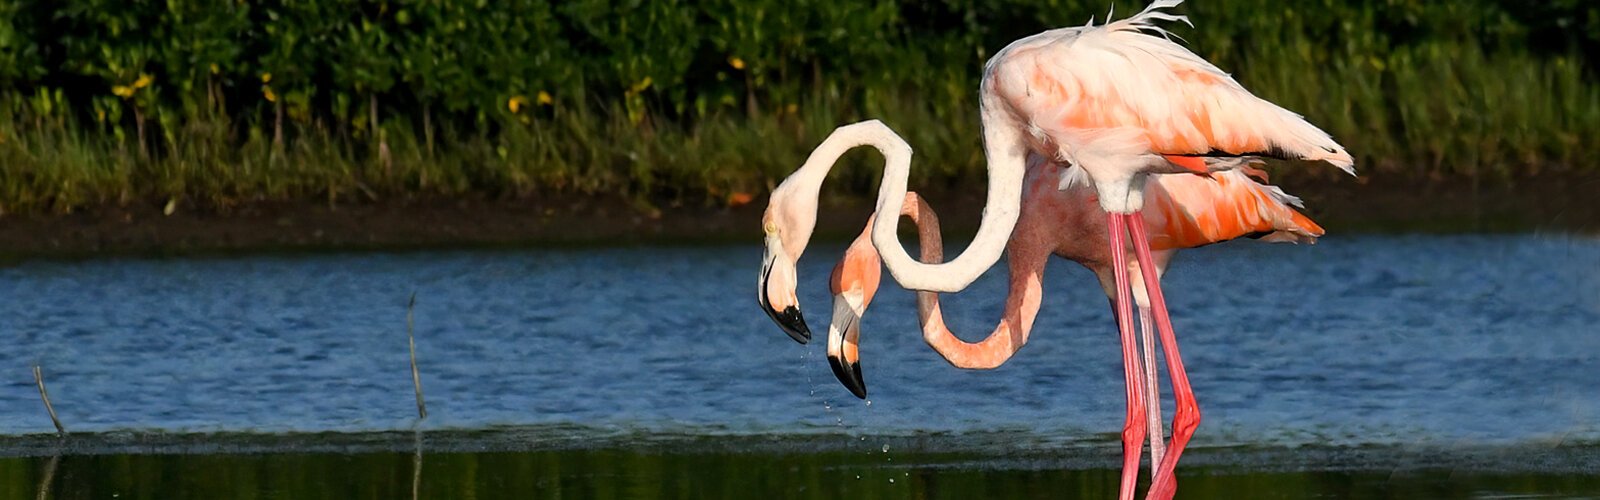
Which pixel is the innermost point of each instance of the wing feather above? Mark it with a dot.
(1189, 210)
(1126, 92)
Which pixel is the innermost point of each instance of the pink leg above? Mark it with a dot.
(1186, 415)
(1147, 335)
(1133, 428)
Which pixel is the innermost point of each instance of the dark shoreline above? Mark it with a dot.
(1554, 202)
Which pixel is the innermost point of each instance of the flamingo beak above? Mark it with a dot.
(778, 271)
(844, 334)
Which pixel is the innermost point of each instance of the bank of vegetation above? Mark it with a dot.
(218, 104)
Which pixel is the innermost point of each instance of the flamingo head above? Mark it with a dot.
(855, 280)
(787, 225)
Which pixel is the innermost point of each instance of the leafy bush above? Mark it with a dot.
(116, 101)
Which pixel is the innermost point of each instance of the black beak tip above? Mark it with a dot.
(849, 375)
(793, 324)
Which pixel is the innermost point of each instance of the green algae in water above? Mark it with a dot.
(748, 469)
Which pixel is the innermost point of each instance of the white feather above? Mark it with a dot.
(1130, 75)
(1275, 192)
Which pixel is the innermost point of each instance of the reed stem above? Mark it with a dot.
(38, 378)
(416, 377)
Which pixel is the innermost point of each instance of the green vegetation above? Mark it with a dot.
(215, 104)
(716, 469)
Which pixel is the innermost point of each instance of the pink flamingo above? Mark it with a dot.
(1189, 211)
(1121, 102)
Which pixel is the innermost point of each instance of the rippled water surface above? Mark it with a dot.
(1406, 341)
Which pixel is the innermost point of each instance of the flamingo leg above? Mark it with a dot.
(1152, 390)
(1133, 428)
(1186, 415)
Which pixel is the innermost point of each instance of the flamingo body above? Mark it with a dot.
(1120, 100)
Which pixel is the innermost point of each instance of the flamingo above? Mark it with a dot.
(1121, 102)
(1189, 212)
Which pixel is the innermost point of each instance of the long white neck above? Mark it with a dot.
(1006, 150)
(804, 186)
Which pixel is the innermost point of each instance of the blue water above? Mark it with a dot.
(1437, 340)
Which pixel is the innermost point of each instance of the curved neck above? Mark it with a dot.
(1005, 149)
(987, 354)
(1022, 304)
(801, 191)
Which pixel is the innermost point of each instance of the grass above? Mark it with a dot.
(1427, 110)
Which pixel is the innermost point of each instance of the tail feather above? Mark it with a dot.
(1145, 20)
(1189, 211)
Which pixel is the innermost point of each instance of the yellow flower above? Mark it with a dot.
(122, 91)
(516, 103)
(143, 81)
(545, 99)
(267, 93)
(215, 69)
(736, 62)
(266, 78)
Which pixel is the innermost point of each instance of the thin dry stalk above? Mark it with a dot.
(416, 378)
(38, 377)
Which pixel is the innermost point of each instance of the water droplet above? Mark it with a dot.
(885, 448)
(858, 476)
(891, 480)
(869, 402)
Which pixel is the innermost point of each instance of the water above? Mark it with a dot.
(1443, 343)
